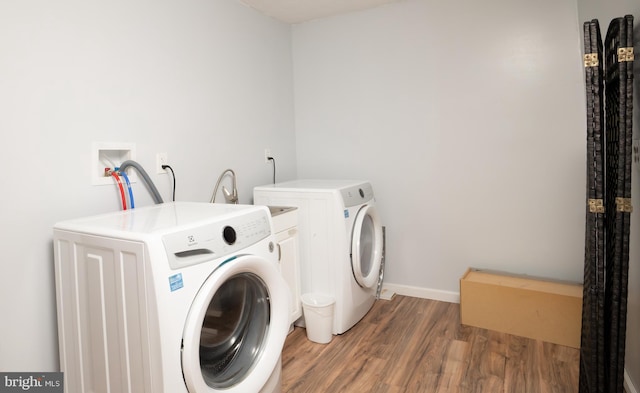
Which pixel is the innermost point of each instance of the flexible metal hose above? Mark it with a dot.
(232, 197)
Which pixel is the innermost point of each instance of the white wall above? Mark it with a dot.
(605, 12)
(467, 117)
(207, 81)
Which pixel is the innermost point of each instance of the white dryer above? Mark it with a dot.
(341, 241)
(171, 298)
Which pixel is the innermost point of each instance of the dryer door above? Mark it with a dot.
(366, 247)
(236, 327)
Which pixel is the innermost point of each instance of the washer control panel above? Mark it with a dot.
(216, 239)
(357, 195)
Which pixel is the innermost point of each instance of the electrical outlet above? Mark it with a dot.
(267, 154)
(161, 159)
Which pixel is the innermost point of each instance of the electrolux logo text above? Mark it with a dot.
(32, 382)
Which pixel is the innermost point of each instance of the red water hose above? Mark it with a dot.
(124, 198)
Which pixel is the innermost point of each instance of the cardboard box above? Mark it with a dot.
(529, 307)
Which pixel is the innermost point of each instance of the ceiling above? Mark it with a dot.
(298, 11)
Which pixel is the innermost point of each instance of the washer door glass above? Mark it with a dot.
(233, 331)
(366, 247)
(236, 327)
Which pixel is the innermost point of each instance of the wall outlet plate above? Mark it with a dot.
(161, 159)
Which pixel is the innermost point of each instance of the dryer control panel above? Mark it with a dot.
(216, 239)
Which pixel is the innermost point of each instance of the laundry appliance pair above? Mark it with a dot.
(173, 298)
(341, 241)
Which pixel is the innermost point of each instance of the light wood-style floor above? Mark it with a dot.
(416, 345)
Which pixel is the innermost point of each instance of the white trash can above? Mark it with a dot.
(318, 316)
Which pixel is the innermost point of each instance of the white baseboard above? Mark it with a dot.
(628, 385)
(388, 290)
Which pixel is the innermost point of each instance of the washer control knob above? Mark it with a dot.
(361, 192)
(229, 235)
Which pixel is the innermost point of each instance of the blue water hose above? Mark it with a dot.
(126, 180)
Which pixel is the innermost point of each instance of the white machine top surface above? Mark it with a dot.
(157, 219)
(313, 184)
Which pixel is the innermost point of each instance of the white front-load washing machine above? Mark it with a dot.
(341, 241)
(171, 298)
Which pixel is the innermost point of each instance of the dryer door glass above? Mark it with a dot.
(234, 330)
(366, 247)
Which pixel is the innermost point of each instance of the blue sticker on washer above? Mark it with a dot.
(175, 282)
(346, 213)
